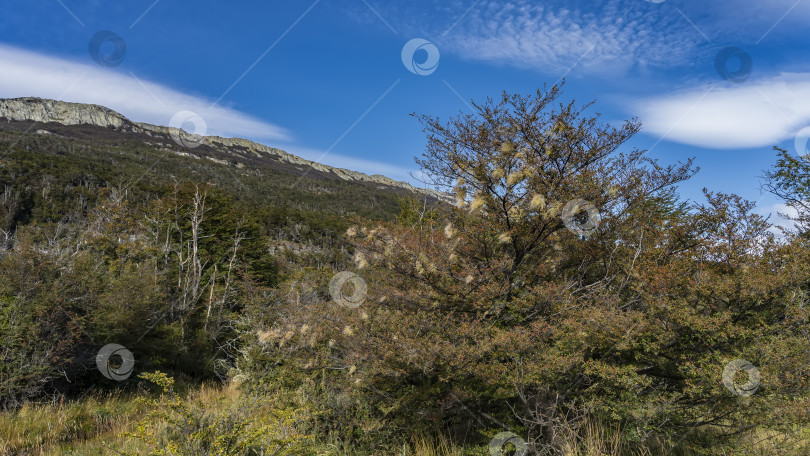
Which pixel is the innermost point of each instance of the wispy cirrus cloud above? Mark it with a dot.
(26, 73)
(555, 36)
(607, 37)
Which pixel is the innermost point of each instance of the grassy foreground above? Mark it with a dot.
(115, 424)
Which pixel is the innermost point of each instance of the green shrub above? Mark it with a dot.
(216, 428)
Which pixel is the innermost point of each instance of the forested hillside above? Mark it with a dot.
(123, 239)
(567, 301)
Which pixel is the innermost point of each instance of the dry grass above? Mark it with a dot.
(592, 440)
(439, 446)
(68, 427)
(95, 426)
(92, 426)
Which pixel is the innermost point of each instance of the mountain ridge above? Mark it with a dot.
(45, 110)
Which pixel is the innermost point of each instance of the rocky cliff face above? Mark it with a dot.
(42, 110)
(65, 113)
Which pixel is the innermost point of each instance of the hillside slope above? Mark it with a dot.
(75, 120)
(47, 144)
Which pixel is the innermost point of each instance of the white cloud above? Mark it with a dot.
(731, 116)
(555, 36)
(778, 220)
(606, 37)
(27, 73)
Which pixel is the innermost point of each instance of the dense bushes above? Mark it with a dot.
(166, 277)
(569, 285)
(522, 308)
(109, 240)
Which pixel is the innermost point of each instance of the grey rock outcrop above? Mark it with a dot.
(43, 110)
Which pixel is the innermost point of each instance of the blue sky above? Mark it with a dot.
(325, 79)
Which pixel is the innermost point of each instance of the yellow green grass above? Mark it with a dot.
(104, 424)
